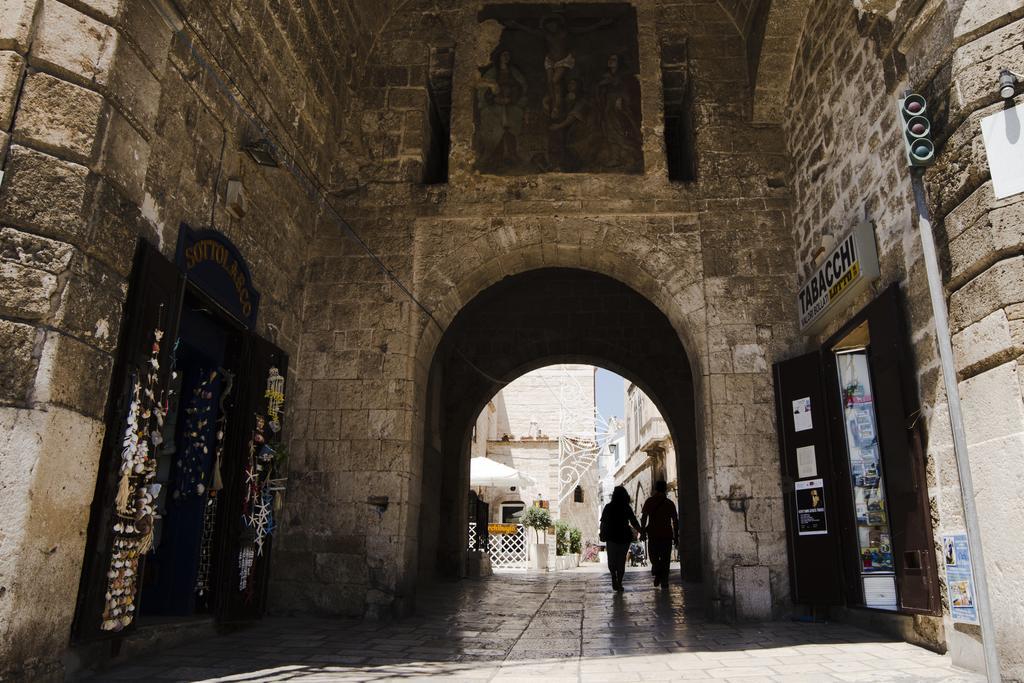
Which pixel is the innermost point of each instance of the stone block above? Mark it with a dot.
(25, 293)
(407, 98)
(133, 87)
(34, 251)
(48, 480)
(17, 370)
(999, 286)
(73, 44)
(992, 404)
(146, 27)
(16, 24)
(90, 306)
(11, 67)
(978, 16)
(125, 158)
(752, 593)
(976, 66)
(338, 568)
(73, 375)
(986, 340)
(58, 117)
(44, 193)
(109, 10)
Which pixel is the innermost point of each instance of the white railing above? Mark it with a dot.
(506, 550)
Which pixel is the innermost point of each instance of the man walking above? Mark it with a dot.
(660, 525)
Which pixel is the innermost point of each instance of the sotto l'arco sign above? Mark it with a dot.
(846, 271)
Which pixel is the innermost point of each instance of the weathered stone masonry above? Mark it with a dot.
(112, 128)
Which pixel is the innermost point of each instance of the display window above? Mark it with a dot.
(873, 534)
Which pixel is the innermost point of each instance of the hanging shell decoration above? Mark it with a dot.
(261, 485)
(135, 504)
(275, 399)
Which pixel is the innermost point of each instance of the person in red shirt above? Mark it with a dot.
(660, 526)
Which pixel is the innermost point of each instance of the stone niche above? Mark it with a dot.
(561, 92)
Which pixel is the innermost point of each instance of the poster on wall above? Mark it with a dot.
(810, 507)
(802, 415)
(959, 578)
(806, 462)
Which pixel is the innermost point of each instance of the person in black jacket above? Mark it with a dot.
(616, 519)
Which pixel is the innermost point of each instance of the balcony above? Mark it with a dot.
(653, 434)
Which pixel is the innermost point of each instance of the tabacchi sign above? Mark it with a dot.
(847, 270)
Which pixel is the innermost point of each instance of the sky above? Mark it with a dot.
(610, 394)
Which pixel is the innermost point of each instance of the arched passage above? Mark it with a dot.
(526, 321)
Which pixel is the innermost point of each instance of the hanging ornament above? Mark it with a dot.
(134, 504)
(190, 473)
(275, 399)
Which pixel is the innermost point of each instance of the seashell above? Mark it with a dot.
(200, 489)
(111, 574)
(118, 528)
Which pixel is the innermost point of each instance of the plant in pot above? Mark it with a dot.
(537, 518)
(575, 541)
(562, 532)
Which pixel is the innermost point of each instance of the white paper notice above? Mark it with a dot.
(1004, 145)
(802, 414)
(806, 463)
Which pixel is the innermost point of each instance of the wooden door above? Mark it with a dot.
(243, 555)
(154, 303)
(805, 452)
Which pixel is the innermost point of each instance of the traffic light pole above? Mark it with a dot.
(956, 419)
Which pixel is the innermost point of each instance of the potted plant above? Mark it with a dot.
(562, 531)
(576, 545)
(537, 518)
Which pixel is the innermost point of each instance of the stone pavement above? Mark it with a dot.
(564, 626)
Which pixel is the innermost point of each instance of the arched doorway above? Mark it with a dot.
(527, 321)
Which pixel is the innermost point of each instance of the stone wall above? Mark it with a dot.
(542, 396)
(112, 129)
(843, 134)
(714, 256)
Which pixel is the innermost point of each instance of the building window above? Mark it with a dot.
(439, 115)
(510, 512)
(577, 495)
(680, 145)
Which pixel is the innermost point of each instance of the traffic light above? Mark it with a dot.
(917, 130)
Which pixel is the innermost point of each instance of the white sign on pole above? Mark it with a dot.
(1004, 145)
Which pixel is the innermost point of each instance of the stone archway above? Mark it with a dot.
(526, 321)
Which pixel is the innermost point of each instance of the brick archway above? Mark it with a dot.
(529, 320)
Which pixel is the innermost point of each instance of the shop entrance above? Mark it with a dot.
(182, 519)
(857, 511)
(177, 576)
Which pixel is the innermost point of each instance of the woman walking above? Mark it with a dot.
(616, 518)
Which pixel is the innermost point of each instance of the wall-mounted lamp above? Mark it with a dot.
(261, 151)
(1008, 83)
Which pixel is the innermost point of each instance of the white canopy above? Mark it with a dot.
(487, 472)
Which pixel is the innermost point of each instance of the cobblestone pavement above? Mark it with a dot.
(566, 626)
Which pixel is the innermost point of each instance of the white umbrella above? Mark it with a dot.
(487, 472)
